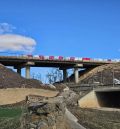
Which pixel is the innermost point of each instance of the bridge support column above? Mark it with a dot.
(76, 73)
(27, 72)
(19, 70)
(64, 75)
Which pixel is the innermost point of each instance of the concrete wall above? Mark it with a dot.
(89, 101)
(14, 95)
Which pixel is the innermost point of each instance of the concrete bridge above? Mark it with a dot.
(19, 62)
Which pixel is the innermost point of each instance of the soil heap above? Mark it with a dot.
(102, 75)
(11, 79)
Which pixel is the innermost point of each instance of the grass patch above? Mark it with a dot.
(10, 117)
(10, 112)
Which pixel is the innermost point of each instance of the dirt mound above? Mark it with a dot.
(11, 79)
(103, 75)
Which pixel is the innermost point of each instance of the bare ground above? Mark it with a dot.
(97, 119)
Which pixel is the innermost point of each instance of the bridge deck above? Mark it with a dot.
(18, 60)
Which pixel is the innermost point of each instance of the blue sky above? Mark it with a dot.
(67, 27)
(84, 28)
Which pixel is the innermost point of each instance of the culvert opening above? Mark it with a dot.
(109, 99)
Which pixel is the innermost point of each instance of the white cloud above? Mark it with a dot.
(6, 28)
(15, 42)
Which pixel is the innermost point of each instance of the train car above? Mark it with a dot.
(41, 57)
(67, 58)
(56, 57)
(36, 56)
(46, 57)
(60, 58)
(51, 57)
(23, 56)
(30, 56)
(72, 58)
(76, 58)
(109, 60)
(97, 60)
(86, 59)
(80, 59)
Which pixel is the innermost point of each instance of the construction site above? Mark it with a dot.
(92, 103)
(59, 64)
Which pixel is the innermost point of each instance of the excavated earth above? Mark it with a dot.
(103, 118)
(50, 113)
(41, 115)
(10, 79)
(102, 75)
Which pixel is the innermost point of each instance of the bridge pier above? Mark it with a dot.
(76, 73)
(27, 72)
(27, 68)
(19, 70)
(64, 75)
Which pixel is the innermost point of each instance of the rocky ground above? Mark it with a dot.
(45, 115)
(49, 113)
(53, 110)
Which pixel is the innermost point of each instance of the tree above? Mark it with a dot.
(55, 75)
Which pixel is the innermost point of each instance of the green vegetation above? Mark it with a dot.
(9, 123)
(10, 112)
(10, 118)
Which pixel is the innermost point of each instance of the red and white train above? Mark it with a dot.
(61, 58)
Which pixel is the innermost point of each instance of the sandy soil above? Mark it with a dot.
(14, 95)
